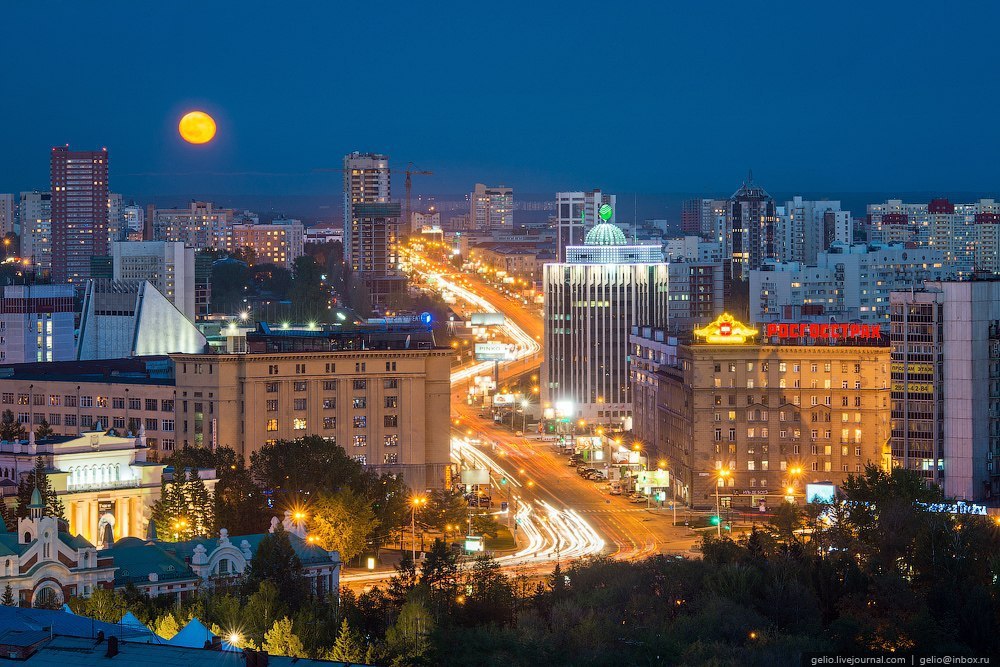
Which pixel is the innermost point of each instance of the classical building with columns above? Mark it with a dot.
(104, 481)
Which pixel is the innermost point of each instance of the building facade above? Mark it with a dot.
(591, 302)
(697, 293)
(35, 216)
(79, 211)
(280, 242)
(381, 395)
(8, 213)
(491, 207)
(201, 225)
(946, 385)
(576, 214)
(649, 349)
(167, 265)
(37, 323)
(806, 228)
(772, 415)
(751, 222)
(849, 282)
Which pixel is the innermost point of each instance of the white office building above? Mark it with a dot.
(168, 265)
(692, 249)
(37, 323)
(576, 214)
(848, 283)
(491, 207)
(35, 213)
(946, 386)
(592, 300)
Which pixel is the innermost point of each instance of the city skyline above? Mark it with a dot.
(838, 118)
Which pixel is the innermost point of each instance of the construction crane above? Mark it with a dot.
(409, 171)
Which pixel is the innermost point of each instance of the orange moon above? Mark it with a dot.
(197, 127)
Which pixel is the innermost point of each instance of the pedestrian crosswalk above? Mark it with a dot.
(614, 510)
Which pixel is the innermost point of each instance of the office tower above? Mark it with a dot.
(371, 224)
(116, 218)
(691, 216)
(967, 234)
(750, 228)
(848, 282)
(945, 380)
(576, 214)
(168, 265)
(201, 225)
(202, 283)
(35, 213)
(79, 211)
(280, 242)
(134, 221)
(8, 213)
(806, 228)
(37, 323)
(491, 208)
(604, 288)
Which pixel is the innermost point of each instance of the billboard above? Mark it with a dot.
(820, 493)
(503, 399)
(486, 319)
(493, 352)
(476, 476)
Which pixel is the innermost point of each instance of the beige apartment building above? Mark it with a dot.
(388, 408)
(772, 416)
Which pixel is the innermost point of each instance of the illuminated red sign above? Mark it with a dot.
(827, 331)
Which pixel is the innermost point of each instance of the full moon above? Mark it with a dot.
(197, 127)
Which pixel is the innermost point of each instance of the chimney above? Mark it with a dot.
(112, 647)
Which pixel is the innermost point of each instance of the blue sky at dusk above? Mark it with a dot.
(648, 97)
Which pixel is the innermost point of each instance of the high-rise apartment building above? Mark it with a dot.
(168, 265)
(750, 228)
(946, 385)
(116, 218)
(806, 228)
(967, 234)
(576, 214)
(35, 215)
(37, 323)
(8, 213)
(135, 221)
(604, 288)
(848, 282)
(79, 211)
(201, 225)
(491, 208)
(371, 224)
(280, 242)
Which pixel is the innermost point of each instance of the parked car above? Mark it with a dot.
(639, 499)
(615, 490)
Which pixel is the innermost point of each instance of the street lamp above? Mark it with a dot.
(722, 475)
(524, 414)
(418, 501)
(793, 474)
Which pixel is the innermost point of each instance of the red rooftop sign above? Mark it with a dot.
(824, 331)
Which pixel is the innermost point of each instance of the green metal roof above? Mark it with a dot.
(605, 234)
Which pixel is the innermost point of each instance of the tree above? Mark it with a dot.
(44, 430)
(408, 640)
(199, 503)
(50, 499)
(239, 504)
(440, 566)
(349, 646)
(263, 608)
(275, 562)
(10, 428)
(308, 295)
(170, 512)
(443, 507)
(785, 519)
(281, 640)
(341, 522)
(106, 605)
(167, 626)
(485, 524)
(8, 516)
(8, 596)
(403, 581)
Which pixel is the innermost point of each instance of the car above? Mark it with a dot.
(639, 499)
(615, 490)
(519, 433)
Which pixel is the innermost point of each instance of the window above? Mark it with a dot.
(331, 368)
(359, 367)
(54, 419)
(857, 368)
(361, 441)
(299, 386)
(857, 451)
(167, 424)
(272, 405)
(166, 406)
(391, 401)
(329, 422)
(329, 385)
(796, 368)
(300, 369)
(361, 458)
(118, 422)
(392, 440)
(70, 420)
(782, 367)
(390, 421)
(360, 421)
(272, 369)
(271, 387)
(857, 385)
(390, 366)
(151, 404)
(360, 403)
(360, 384)
(299, 404)
(152, 424)
(857, 401)
(329, 403)
(8, 398)
(86, 401)
(391, 383)
(751, 465)
(298, 424)
(718, 434)
(118, 402)
(391, 457)
(272, 425)
(102, 401)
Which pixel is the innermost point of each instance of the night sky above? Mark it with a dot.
(662, 97)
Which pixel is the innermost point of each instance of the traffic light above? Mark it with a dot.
(550, 427)
(715, 520)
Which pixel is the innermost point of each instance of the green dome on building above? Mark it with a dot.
(605, 234)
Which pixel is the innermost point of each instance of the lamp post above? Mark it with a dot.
(793, 474)
(417, 501)
(524, 414)
(673, 488)
(723, 474)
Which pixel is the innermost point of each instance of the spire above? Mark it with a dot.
(36, 506)
(151, 531)
(750, 176)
